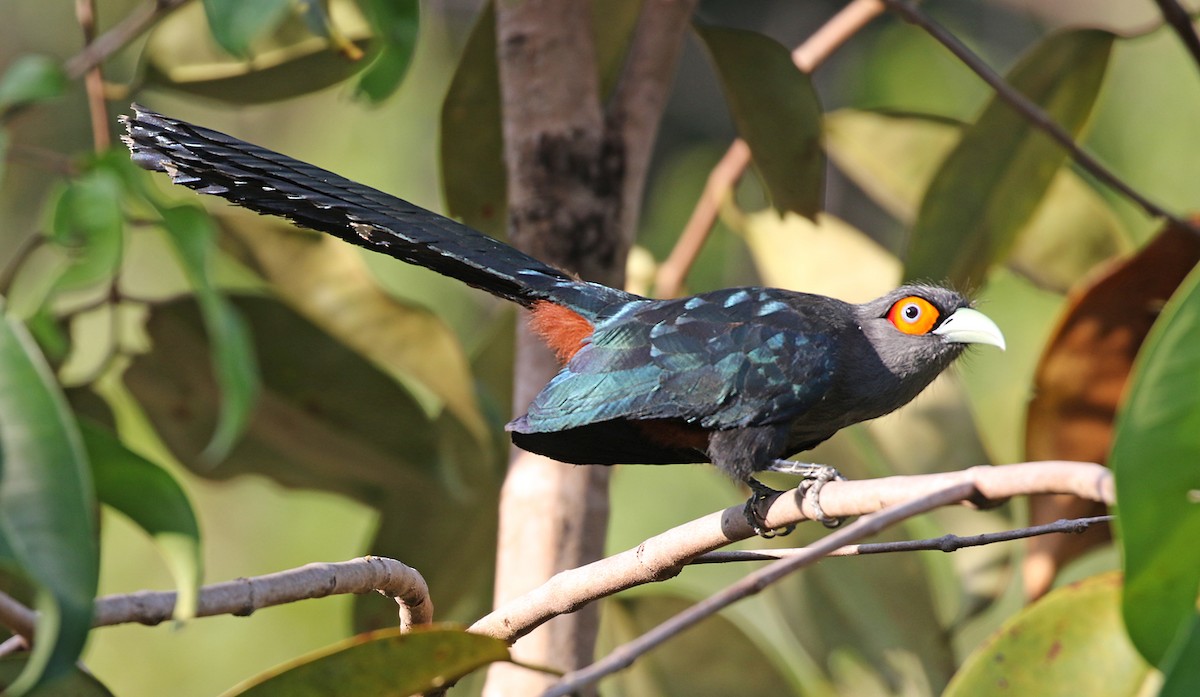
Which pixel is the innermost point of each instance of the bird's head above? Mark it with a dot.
(918, 330)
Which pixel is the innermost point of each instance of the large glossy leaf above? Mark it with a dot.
(381, 664)
(155, 501)
(192, 234)
(994, 179)
(777, 112)
(325, 279)
(396, 22)
(828, 256)
(235, 23)
(893, 157)
(1154, 454)
(47, 511)
(1081, 377)
(471, 145)
(1181, 669)
(282, 73)
(1068, 643)
(330, 420)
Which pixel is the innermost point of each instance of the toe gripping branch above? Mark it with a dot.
(815, 476)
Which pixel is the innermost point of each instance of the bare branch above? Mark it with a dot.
(93, 80)
(1032, 113)
(17, 617)
(624, 656)
(665, 555)
(245, 595)
(945, 543)
(13, 645)
(1181, 22)
(108, 43)
(810, 54)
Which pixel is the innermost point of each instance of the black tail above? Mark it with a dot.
(273, 184)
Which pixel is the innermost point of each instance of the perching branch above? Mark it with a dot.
(665, 555)
(810, 54)
(624, 656)
(1032, 113)
(945, 543)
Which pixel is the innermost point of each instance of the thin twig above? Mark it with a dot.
(945, 543)
(93, 80)
(1181, 22)
(808, 56)
(1032, 113)
(624, 656)
(13, 645)
(113, 40)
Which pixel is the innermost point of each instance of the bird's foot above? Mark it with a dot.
(816, 477)
(756, 510)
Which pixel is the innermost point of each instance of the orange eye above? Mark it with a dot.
(913, 315)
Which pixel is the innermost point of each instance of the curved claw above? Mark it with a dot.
(756, 507)
(812, 493)
(816, 477)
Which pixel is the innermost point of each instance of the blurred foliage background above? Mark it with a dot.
(377, 424)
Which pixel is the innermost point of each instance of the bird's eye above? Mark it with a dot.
(913, 315)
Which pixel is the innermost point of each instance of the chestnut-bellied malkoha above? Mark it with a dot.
(738, 377)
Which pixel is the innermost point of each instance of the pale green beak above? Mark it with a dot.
(967, 326)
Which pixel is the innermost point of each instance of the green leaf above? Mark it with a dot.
(777, 112)
(1181, 670)
(76, 682)
(697, 662)
(236, 23)
(386, 663)
(151, 497)
(474, 180)
(192, 234)
(291, 71)
(1068, 643)
(1154, 454)
(89, 225)
(47, 512)
(799, 254)
(331, 420)
(397, 22)
(893, 157)
(324, 279)
(992, 182)
(30, 78)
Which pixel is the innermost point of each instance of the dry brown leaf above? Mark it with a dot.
(1080, 380)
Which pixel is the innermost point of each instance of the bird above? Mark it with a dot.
(738, 377)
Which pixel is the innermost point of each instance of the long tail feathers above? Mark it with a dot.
(273, 184)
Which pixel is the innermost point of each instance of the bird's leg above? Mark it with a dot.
(756, 509)
(815, 476)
